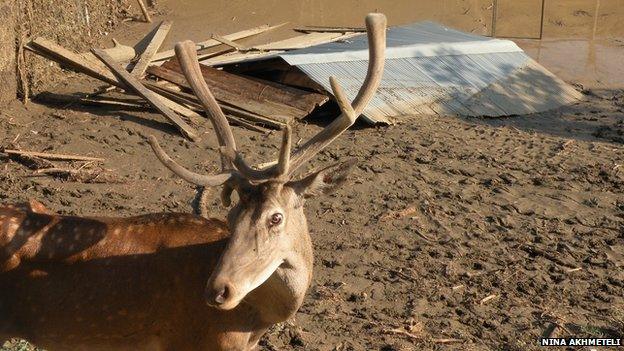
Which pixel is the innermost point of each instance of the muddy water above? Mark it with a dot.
(595, 63)
(592, 63)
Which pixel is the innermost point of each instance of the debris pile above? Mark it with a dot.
(84, 169)
(430, 70)
(156, 77)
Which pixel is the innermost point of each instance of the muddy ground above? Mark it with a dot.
(484, 232)
(454, 234)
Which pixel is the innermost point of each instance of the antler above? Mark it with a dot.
(376, 28)
(187, 56)
(232, 162)
(191, 177)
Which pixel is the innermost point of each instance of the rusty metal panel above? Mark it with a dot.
(518, 19)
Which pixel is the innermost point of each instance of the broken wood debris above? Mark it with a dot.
(86, 171)
(228, 42)
(148, 95)
(290, 102)
(52, 156)
(278, 47)
(146, 14)
(148, 54)
(91, 100)
(165, 55)
(82, 174)
(311, 29)
(248, 101)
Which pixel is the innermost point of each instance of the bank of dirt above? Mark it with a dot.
(75, 25)
(484, 231)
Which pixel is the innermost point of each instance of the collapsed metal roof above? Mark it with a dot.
(432, 69)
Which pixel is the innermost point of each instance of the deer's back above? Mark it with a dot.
(110, 281)
(41, 237)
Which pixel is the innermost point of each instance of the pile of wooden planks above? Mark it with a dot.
(156, 77)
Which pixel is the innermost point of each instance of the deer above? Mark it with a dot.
(178, 281)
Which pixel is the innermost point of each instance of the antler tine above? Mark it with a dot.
(191, 177)
(187, 56)
(283, 162)
(376, 28)
(278, 171)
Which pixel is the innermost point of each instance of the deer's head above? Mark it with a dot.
(268, 224)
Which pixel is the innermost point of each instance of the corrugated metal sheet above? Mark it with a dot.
(431, 69)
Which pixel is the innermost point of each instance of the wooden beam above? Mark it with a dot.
(148, 54)
(165, 55)
(50, 156)
(82, 63)
(228, 42)
(146, 14)
(225, 94)
(296, 102)
(154, 100)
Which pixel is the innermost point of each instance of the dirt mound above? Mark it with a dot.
(76, 25)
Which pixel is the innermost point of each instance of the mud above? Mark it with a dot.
(454, 234)
(441, 215)
(591, 63)
(76, 25)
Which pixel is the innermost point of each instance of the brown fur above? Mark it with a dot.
(108, 283)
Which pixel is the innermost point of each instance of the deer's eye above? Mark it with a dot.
(276, 219)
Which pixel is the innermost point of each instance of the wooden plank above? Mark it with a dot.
(78, 62)
(146, 14)
(228, 42)
(275, 48)
(237, 57)
(256, 89)
(165, 55)
(308, 29)
(305, 40)
(50, 156)
(224, 93)
(191, 101)
(518, 19)
(148, 54)
(148, 95)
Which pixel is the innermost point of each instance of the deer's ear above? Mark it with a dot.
(324, 181)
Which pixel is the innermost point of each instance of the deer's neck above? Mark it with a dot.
(282, 294)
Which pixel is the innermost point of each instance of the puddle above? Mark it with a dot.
(593, 63)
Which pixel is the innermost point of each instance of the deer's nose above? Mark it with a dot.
(218, 293)
(222, 295)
